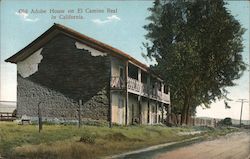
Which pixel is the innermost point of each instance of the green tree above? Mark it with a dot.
(198, 48)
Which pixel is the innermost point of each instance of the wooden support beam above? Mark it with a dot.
(162, 87)
(169, 113)
(148, 110)
(156, 112)
(148, 91)
(110, 110)
(139, 97)
(162, 112)
(110, 94)
(139, 75)
(126, 93)
(140, 109)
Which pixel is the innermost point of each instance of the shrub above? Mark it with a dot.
(226, 122)
(87, 138)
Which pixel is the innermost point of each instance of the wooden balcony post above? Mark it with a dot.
(139, 96)
(139, 104)
(148, 85)
(148, 111)
(162, 91)
(162, 112)
(126, 92)
(156, 111)
(162, 87)
(148, 92)
(110, 96)
(169, 113)
(139, 78)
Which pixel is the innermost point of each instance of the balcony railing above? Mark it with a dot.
(144, 90)
(159, 95)
(139, 88)
(117, 83)
(134, 85)
(165, 97)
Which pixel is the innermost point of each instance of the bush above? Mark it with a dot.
(87, 138)
(226, 122)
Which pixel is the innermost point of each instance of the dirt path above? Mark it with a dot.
(232, 146)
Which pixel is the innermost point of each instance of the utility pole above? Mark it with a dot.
(242, 101)
(1, 78)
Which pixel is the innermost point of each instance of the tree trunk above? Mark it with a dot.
(183, 111)
(187, 114)
(177, 119)
(183, 115)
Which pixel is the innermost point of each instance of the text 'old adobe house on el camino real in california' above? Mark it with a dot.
(62, 66)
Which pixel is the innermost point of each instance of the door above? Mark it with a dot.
(120, 110)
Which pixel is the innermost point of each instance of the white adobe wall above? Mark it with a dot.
(91, 50)
(29, 66)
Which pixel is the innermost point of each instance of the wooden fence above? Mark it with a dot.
(6, 116)
(195, 121)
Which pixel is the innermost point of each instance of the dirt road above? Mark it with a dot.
(232, 146)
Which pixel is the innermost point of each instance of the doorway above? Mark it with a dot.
(120, 110)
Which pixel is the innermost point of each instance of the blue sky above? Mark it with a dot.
(122, 30)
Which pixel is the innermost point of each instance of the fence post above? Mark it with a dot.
(79, 113)
(40, 124)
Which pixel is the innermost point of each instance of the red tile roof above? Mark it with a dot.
(58, 28)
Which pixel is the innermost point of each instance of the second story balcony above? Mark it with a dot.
(130, 77)
(139, 88)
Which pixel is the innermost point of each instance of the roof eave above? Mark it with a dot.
(16, 57)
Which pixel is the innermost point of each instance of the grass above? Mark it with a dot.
(69, 141)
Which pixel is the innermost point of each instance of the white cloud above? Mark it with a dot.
(113, 17)
(109, 19)
(24, 17)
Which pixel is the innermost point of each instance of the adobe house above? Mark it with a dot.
(62, 66)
